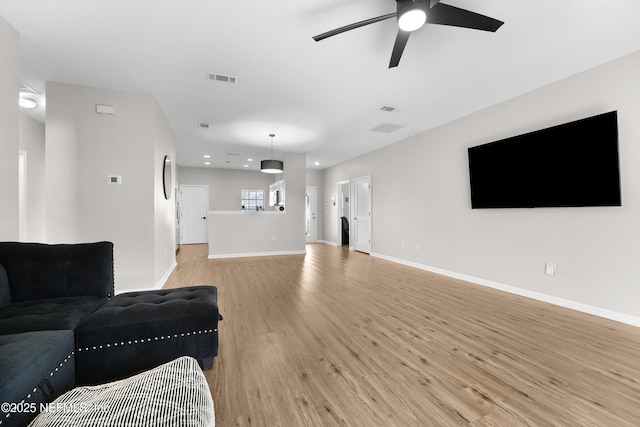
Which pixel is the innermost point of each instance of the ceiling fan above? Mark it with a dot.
(413, 14)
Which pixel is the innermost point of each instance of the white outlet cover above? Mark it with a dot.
(550, 269)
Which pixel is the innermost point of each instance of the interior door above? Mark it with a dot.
(362, 214)
(311, 214)
(193, 214)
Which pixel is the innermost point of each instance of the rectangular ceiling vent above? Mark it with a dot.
(202, 125)
(387, 108)
(386, 128)
(224, 78)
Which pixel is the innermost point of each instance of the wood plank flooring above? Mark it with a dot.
(339, 338)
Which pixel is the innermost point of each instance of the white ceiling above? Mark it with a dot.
(320, 98)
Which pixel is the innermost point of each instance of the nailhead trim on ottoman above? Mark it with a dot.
(135, 331)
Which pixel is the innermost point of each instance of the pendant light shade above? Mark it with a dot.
(271, 165)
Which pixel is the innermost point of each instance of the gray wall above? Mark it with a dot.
(32, 143)
(83, 149)
(422, 214)
(225, 185)
(9, 129)
(236, 234)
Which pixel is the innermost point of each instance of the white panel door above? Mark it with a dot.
(362, 214)
(311, 214)
(193, 214)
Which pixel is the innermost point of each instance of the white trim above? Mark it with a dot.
(326, 242)
(255, 254)
(157, 286)
(164, 278)
(573, 305)
(246, 212)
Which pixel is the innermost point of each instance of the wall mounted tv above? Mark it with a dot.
(570, 165)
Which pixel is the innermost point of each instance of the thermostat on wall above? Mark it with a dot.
(105, 109)
(115, 179)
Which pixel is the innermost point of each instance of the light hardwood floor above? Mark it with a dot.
(339, 338)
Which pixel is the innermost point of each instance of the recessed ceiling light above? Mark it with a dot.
(249, 160)
(207, 163)
(207, 156)
(246, 166)
(317, 163)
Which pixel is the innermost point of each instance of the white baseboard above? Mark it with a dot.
(255, 254)
(164, 278)
(585, 308)
(157, 286)
(326, 242)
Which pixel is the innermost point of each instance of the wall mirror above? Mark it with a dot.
(166, 177)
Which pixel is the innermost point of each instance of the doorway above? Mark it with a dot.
(343, 209)
(362, 214)
(22, 195)
(311, 214)
(194, 205)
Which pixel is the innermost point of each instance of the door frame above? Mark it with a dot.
(313, 204)
(368, 179)
(206, 222)
(340, 214)
(22, 196)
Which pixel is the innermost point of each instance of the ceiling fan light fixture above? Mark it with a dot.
(412, 17)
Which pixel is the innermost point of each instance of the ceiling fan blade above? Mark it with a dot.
(444, 14)
(398, 47)
(353, 26)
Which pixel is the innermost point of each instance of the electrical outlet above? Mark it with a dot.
(550, 269)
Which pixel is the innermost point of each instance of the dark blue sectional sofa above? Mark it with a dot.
(61, 325)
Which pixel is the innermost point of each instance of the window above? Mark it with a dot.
(252, 200)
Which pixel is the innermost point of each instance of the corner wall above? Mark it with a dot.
(421, 211)
(9, 130)
(83, 149)
(32, 141)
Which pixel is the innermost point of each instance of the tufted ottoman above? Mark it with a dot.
(136, 331)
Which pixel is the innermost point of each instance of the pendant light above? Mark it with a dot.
(271, 165)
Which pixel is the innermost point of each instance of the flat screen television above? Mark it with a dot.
(569, 165)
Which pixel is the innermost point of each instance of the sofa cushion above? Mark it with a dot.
(39, 271)
(36, 368)
(48, 314)
(5, 291)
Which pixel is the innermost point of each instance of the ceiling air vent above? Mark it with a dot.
(387, 108)
(202, 125)
(386, 128)
(224, 78)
